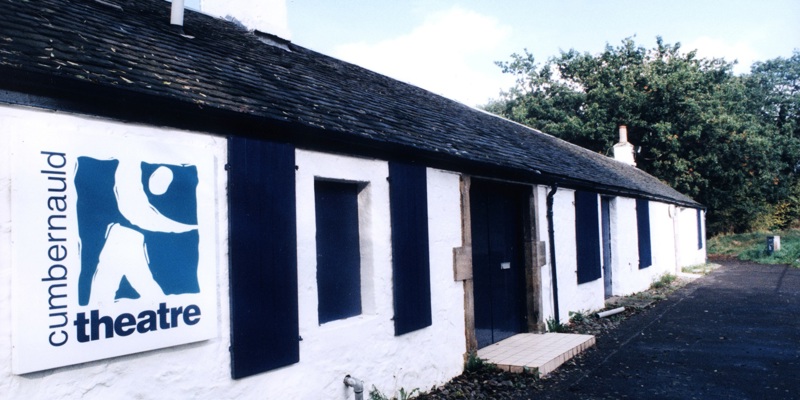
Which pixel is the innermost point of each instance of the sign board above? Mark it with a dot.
(114, 242)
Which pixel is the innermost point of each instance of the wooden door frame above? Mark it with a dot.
(533, 259)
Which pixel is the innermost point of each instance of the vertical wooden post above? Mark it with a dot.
(533, 274)
(462, 266)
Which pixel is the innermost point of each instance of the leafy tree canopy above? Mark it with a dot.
(731, 142)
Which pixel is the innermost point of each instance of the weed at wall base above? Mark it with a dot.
(663, 281)
(555, 326)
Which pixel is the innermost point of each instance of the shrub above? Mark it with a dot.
(555, 326)
(476, 364)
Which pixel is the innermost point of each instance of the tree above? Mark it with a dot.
(776, 83)
(698, 127)
(774, 90)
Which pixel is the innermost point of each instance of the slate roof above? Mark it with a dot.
(128, 48)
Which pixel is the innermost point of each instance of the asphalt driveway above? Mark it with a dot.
(733, 334)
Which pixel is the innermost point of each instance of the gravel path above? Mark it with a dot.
(733, 334)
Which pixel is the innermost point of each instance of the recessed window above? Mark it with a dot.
(338, 250)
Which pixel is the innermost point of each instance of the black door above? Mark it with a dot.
(497, 213)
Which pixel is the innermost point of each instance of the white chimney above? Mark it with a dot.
(267, 16)
(176, 18)
(623, 151)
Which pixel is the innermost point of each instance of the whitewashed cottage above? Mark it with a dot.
(211, 212)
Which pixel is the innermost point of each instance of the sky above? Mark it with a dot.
(450, 47)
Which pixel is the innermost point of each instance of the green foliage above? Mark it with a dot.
(663, 281)
(752, 247)
(477, 364)
(732, 143)
(555, 326)
(407, 395)
(576, 316)
(375, 394)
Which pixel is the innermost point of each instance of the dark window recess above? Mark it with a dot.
(338, 250)
(643, 228)
(263, 256)
(410, 254)
(699, 229)
(587, 236)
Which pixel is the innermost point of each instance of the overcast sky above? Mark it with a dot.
(449, 47)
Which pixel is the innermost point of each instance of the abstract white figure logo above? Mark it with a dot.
(142, 252)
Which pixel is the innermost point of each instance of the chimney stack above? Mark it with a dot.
(623, 134)
(623, 151)
(176, 18)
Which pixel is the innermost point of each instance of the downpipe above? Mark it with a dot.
(356, 384)
(609, 313)
(551, 233)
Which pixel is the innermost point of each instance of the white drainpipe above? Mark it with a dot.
(357, 385)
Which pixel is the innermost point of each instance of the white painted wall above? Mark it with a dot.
(624, 246)
(571, 295)
(673, 243)
(626, 275)
(545, 270)
(6, 381)
(364, 346)
(673, 237)
(687, 251)
(662, 247)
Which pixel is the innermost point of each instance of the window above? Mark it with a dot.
(338, 250)
(643, 228)
(587, 236)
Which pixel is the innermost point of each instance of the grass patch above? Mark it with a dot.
(753, 247)
(663, 281)
(700, 269)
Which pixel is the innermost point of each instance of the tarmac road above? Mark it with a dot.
(733, 334)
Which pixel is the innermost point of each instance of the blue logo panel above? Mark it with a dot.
(127, 247)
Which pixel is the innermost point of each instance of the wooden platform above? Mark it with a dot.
(535, 352)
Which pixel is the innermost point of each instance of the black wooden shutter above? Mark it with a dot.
(263, 256)
(699, 229)
(410, 256)
(643, 227)
(587, 236)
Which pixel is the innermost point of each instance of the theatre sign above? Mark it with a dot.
(114, 247)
